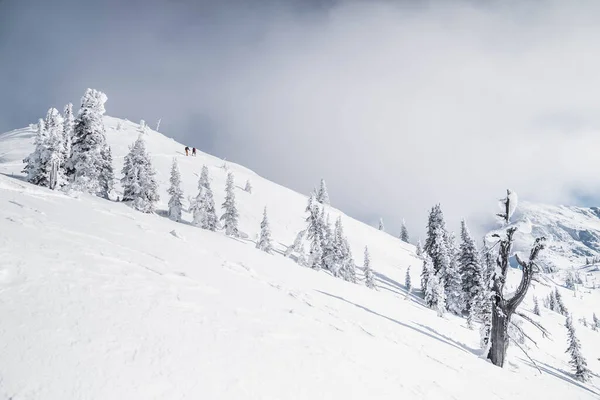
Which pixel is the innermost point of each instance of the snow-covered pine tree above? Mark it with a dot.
(419, 249)
(139, 185)
(302, 258)
(203, 207)
(295, 247)
(368, 271)
(381, 226)
(230, 215)
(404, 233)
(248, 187)
(481, 306)
(316, 254)
(596, 321)
(327, 243)
(107, 177)
(577, 361)
(407, 282)
(536, 306)
(570, 281)
(452, 279)
(264, 241)
(322, 194)
(314, 232)
(560, 306)
(47, 161)
(425, 273)
(469, 264)
(34, 166)
(176, 193)
(436, 242)
(435, 295)
(551, 301)
(342, 260)
(349, 267)
(204, 180)
(85, 163)
(488, 261)
(55, 149)
(68, 129)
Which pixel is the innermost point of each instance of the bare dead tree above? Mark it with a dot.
(503, 308)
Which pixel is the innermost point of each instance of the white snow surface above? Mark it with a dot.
(98, 301)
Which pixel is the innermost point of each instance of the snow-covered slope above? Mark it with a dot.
(573, 233)
(98, 301)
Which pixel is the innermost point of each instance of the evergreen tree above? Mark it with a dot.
(552, 301)
(176, 193)
(230, 215)
(404, 233)
(295, 247)
(536, 306)
(85, 164)
(381, 227)
(452, 279)
(488, 261)
(203, 206)
(204, 181)
(315, 233)
(407, 282)
(343, 263)
(264, 241)
(435, 295)
(349, 267)
(327, 243)
(316, 253)
(33, 162)
(577, 361)
(419, 250)
(322, 194)
(248, 187)
(368, 271)
(68, 129)
(107, 176)
(560, 306)
(139, 185)
(425, 272)
(596, 321)
(302, 259)
(436, 242)
(570, 281)
(469, 265)
(45, 166)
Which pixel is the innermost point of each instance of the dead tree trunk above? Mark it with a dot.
(503, 309)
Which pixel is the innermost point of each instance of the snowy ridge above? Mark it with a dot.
(99, 301)
(573, 233)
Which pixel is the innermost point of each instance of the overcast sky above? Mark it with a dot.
(398, 105)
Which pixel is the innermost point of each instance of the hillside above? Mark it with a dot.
(573, 233)
(99, 301)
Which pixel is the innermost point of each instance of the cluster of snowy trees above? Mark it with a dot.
(555, 303)
(328, 247)
(463, 280)
(455, 278)
(72, 152)
(572, 279)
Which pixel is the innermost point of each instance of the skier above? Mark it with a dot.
(194, 151)
(187, 150)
